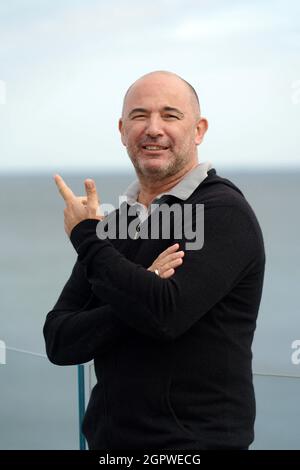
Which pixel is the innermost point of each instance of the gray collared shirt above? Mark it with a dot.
(182, 190)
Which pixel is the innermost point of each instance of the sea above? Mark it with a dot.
(38, 400)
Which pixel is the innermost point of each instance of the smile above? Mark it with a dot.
(154, 147)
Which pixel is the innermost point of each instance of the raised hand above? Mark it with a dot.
(78, 208)
(166, 263)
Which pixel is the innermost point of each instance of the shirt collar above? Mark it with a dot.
(182, 190)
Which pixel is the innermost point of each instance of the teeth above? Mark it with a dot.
(154, 147)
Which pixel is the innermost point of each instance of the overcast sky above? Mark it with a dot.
(65, 65)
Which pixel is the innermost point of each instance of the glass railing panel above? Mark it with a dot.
(38, 404)
(278, 412)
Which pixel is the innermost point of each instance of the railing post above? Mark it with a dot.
(81, 404)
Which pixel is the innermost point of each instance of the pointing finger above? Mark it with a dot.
(64, 190)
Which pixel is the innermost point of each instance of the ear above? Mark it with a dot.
(121, 129)
(201, 128)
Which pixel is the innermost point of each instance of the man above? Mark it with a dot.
(170, 335)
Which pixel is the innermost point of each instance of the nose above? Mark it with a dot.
(154, 128)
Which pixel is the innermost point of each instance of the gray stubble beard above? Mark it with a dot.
(159, 174)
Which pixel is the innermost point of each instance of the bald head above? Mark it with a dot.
(161, 126)
(165, 76)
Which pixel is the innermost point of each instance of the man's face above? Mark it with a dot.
(160, 126)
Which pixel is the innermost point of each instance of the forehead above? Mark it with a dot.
(158, 92)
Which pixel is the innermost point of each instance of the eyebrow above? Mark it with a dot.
(166, 108)
(173, 110)
(137, 110)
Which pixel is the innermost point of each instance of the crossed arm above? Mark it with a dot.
(134, 297)
(75, 330)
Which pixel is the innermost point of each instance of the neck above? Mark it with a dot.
(149, 188)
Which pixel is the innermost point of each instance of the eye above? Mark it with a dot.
(171, 116)
(139, 116)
